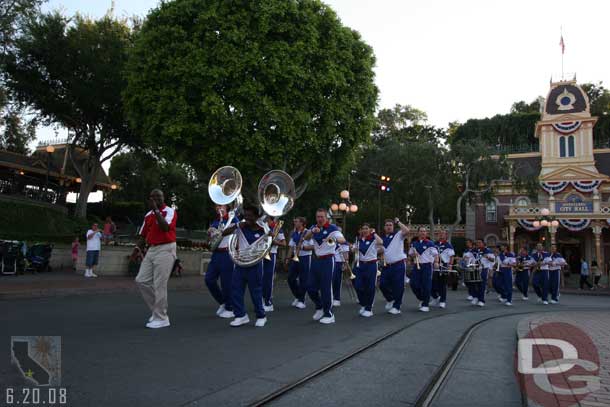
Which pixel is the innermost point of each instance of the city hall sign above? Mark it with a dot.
(574, 204)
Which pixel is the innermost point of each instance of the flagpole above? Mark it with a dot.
(562, 50)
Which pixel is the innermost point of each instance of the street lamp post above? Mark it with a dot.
(344, 207)
(545, 220)
(50, 150)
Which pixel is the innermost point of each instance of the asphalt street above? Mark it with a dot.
(110, 359)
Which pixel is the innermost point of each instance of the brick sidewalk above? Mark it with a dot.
(596, 325)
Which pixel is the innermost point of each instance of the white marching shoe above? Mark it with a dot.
(294, 303)
(300, 305)
(260, 322)
(268, 308)
(420, 304)
(474, 301)
(389, 305)
(150, 318)
(328, 320)
(469, 298)
(336, 303)
(240, 321)
(508, 304)
(554, 302)
(502, 300)
(481, 304)
(524, 298)
(434, 302)
(367, 314)
(545, 303)
(424, 309)
(442, 305)
(318, 315)
(226, 314)
(361, 310)
(394, 311)
(158, 323)
(220, 309)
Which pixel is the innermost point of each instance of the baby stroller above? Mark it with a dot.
(11, 257)
(39, 257)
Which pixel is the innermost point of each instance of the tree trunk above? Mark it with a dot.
(458, 215)
(88, 174)
(431, 214)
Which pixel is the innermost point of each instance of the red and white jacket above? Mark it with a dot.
(152, 232)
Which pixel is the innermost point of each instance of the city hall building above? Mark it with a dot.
(574, 186)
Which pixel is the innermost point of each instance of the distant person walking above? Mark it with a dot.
(159, 231)
(75, 246)
(109, 230)
(94, 243)
(596, 271)
(584, 275)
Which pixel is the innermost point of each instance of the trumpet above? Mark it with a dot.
(297, 248)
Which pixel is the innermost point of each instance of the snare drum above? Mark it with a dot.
(472, 274)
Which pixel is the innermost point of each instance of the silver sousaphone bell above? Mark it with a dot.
(224, 188)
(276, 195)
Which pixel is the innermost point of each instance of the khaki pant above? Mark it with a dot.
(153, 275)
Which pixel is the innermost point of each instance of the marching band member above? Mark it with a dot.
(325, 238)
(368, 246)
(341, 259)
(540, 280)
(247, 233)
(425, 254)
(298, 271)
(496, 275)
(439, 280)
(469, 257)
(391, 282)
(221, 266)
(507, 262)
(522, 279)
(269, 268)
(557, 262)
(487, 261)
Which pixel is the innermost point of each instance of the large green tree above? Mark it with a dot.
(255, 84)
(70, 70)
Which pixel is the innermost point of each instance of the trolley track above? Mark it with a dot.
(439, 378)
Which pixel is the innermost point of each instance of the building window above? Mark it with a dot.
(562, 146)
(571, 146)
(522, 202)
(491, 212)
(491, 240)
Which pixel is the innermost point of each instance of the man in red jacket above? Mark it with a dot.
(159, 231)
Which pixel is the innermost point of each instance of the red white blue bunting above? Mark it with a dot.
(554, 187)
(575, 225)
(567, 127)
(586, 186)
(528, 225)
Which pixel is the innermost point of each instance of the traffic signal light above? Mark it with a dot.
(384, 183)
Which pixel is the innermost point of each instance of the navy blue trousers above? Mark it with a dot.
(268, 274)
(554, 281)
(439, 286)
(392, 283)
(253, 278)
(522, 281)
(366, 276)
(507, 283)
(497, 281)
(319, 286)
(540, 281)
(221, 266)
(298, 277)
(337, 274)
(421, 282)
(482, 286)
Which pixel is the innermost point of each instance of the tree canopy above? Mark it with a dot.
(254, 84)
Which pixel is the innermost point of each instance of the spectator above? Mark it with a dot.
(135, 259)
(584, 275)
(596, 272)
(75, 246)
(109, 230)
(94, 243)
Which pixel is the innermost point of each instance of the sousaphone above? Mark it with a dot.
(224, 188)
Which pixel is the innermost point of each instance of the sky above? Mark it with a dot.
(455, 60)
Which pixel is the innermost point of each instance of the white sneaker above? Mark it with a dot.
(424, 309)
(420, 304)
(389, 305)
(481, 304)
(318, 315)
(502, 300)
(434, 302)
(367, 314)
(300, 305)
(442, 305)
(260, 322)
(545, 303)
(158, 323)
(220, 309)
(469, 298)
(508, 304)
(294, 303)
(86, 275)
(150, 319)
(524, 298)
(336, 303)
(92, 274)
(227, 314)
(554, 302)
(407, 280)
(328, 320)
(361, 310)
(268, 308)
(394, 311)
(240, 321)
(474, 301)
